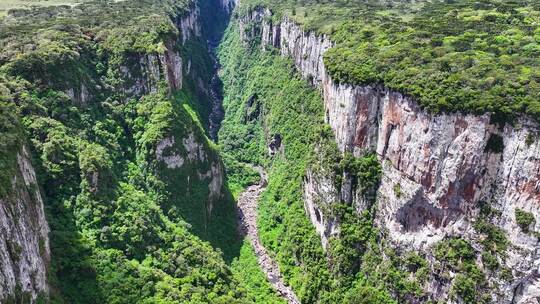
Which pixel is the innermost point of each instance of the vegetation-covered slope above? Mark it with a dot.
(266, 99)
(462, 55)
(128, 174)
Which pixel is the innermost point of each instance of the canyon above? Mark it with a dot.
(439, 171)
(247, 216)
(437, 168)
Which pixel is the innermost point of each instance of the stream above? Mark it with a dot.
(247, 201)
(247, 216)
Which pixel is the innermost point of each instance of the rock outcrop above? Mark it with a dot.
(228, 5)
(190, 25)
(437, 168)
(24, 240)
(142, 72)
(191, 151)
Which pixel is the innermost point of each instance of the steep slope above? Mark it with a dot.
(114, 101)
(275, 120)
(449, 182)
(24, 241)
(400, 141)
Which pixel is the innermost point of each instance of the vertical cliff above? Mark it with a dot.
(24, 239)
(119, 138)
(440, 171)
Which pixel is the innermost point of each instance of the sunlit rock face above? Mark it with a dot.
(24, 240)
(437, 168)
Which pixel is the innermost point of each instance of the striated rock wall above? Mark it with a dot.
(141, 75)
(436, 168)
(24, 240)
(190, 25)
(228, 5)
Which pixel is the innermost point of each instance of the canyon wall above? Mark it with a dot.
(185, 151)
(141, 74)
(228, 5)
(24, 240)
(437, 168)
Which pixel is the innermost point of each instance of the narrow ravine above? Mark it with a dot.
(216, 92)
(247, 216)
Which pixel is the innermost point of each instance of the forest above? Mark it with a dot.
(453, 55)
(124, 228)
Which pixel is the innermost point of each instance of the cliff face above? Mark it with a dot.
(183, 158)
(142, 74)
(437, 169)
(24, 240)
(186, 159)
(228, 5)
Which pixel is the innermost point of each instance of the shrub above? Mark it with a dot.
(397, 190)
(524, 219)
(530, 139)
(495, 239)
(495, 144)
(490, 261)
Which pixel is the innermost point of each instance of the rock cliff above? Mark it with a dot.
(185, 151)
(228, 5)
(24, 240)
(437, 168)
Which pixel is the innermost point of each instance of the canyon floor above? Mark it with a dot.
(247, 217)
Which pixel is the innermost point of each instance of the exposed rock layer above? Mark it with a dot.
(443, 165)
(24, 240)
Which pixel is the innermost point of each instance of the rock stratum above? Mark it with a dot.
(182, 156)
(24, 237)
(438, 169)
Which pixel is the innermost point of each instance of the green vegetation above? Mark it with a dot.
(397, 190)
(462, 55)
(239, 175)
(125, 227)
(247, 271)
(8, 5)
(345, 250)
(493, 238)
(357, 268)
(524, 219)
(293, 110)
(530, 139)
(10, 142)
(126, 168)
(458, 255)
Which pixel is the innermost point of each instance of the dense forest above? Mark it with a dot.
(125, 228)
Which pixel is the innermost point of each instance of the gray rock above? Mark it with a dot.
(440, 163)
(24, 239)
